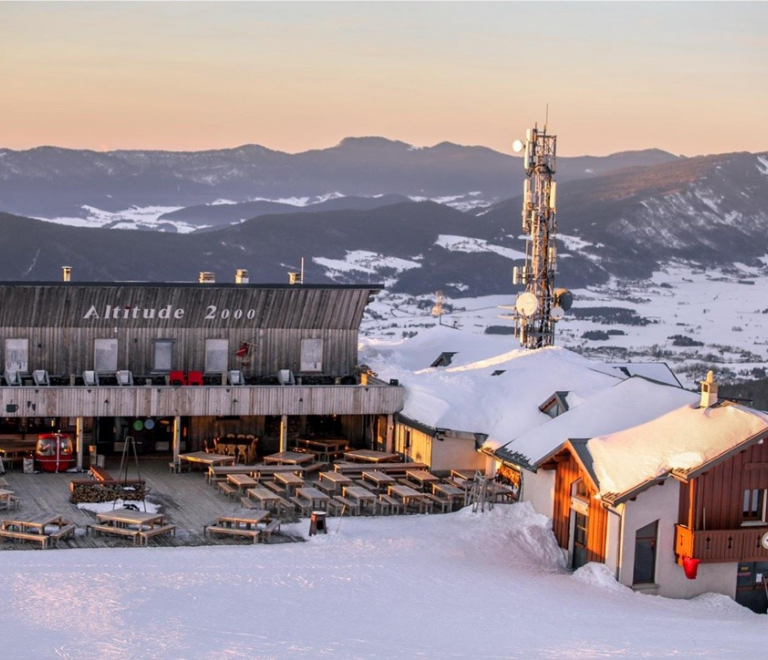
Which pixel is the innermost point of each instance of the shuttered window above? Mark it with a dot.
(17, 356)
(216, 353)
(162, 355)
(105, 355)
(311, 355)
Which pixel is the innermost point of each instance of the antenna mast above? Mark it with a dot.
(540, 306)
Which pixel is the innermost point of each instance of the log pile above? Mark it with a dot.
(87, 490)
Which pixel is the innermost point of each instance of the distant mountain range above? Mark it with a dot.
(51, 182)
(622, 215)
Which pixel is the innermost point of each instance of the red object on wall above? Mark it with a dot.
(690, 566)
(194, 378)
(243, 350)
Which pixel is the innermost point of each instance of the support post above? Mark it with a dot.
(79, 442)
(390, 446)
(176, 438)
(284, 433)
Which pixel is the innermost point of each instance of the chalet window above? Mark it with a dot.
(311, 354)
(406, 439)
(754, 505)
(645, 554)
(105, 355)
(17, 356)
(162, 355)
(216, 354)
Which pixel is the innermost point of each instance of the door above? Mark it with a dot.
(580, 524)
(751, 585)
(645, 554)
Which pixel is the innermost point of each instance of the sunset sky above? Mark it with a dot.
(688, 77)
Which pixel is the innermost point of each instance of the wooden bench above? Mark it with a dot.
(227, 489)
(389, 504)
(317, 466)
(253, 534)
(120, 531)
(146, 534)
(304, 506)
(265, 533)
(276, 488)
(42, 539)
(443, 505)
(67, 529)
(343, 503)
(100, 474)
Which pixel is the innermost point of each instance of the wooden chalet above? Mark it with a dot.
(676, 506)
(174, 365)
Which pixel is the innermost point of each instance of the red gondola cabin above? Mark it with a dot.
(54, 452)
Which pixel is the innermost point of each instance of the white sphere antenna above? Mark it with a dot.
(517, 146)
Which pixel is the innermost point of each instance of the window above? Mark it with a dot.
(162, 355)
(754, 505)
(216, 353)
(105, 355)
(645, 554)
(311, 355)
(17, 356)
(406, 439)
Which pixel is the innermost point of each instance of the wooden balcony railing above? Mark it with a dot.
(720, 545)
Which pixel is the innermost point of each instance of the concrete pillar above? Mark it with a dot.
(390, 446)
(79, 442)
(176, 438)
(284, 433)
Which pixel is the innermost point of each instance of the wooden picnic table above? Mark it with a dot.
(264, 496)
(345, 467)
(263, 470)
(323, 444)
(246, 519)
(362, 495)
(378, 478)
(290, 458)
(35, 524)
(290, 480)
(370, 456)
(206, 458)
(138, 525)
(407, 495)
(451, 492)
(41, 529)
(317, 497)
(336, 478)
(241, 481)
(464, 475)
(6, 498)
(422, 477)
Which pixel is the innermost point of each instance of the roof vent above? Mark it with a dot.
(66, 273)
(708, 391)
(206, 277)
(444, 359)
(241, 276)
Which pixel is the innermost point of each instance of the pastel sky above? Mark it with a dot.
(687, 77)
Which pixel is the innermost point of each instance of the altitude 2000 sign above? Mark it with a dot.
(213, 313)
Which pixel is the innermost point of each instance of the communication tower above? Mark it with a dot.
(540, 306)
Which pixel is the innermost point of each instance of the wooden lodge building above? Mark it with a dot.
(174, 365)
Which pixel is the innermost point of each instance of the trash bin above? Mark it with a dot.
(29, 465)
(317, 523)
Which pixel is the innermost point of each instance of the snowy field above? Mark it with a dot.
(725, 312)
(462, 585)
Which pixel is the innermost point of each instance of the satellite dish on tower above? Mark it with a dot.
(556, 313)
(526, 304)
(517, 146)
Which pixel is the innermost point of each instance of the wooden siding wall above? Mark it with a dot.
(152, 401)
(62, 321)
(65, 351)
(721, 490)
(568, 471)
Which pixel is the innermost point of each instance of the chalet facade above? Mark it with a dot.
(676, 506)
(177, 364)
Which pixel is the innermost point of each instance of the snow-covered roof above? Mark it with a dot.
(625, 404)
(658, 371)
(466, 396)
(683, 439)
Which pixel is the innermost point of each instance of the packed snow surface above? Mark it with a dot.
(462, 585)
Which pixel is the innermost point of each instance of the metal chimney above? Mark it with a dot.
(206, 277)
(241, 276)
(66, 273)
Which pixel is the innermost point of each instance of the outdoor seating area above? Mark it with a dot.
(256, 525)
(139, 526)
(42, 529)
